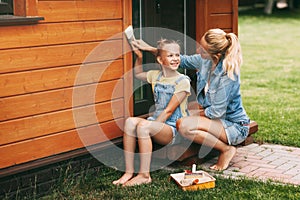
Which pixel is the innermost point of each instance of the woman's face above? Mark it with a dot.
(170, 56)
(203, 49)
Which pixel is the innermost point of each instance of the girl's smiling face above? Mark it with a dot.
(170, 56)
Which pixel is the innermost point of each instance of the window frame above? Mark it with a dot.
(24, 12)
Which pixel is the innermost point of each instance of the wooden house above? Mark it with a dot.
(43, 46)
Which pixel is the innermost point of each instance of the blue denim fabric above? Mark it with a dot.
(235, 132)
(223, 99)
(162, 96)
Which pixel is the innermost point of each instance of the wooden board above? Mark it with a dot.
(50, 123)
(220, 6)
(59, 33)
(34, 149)
(55, 100)
(59, 77)
(222, 21)
(14, 60)
(58, 11)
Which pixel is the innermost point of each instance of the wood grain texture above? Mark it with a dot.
(55, 100)
(25, 8)
(59, 33)
(220, 6)
(222, 21)
(34, 149)
(14, 60)
(51, 123)
(59, 11)
(60, 77)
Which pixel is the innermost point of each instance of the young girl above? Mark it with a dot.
(223, 121)
(171, 90)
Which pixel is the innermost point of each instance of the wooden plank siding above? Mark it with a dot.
(51, 33)
(21, 59)
(59, 11)
(69, 140)
(221, 14)
(57, 77)
(39, 74)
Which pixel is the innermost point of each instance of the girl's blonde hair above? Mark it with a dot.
(162, 42)
(227, 46)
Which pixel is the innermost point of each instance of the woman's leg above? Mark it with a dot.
(129, 144)
(210, 133)
(159, 132)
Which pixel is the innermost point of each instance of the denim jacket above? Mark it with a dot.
(223, 99)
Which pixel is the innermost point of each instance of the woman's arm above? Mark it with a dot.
(175, 101)
(193, 62)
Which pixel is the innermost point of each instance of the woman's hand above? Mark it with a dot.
(140, 44)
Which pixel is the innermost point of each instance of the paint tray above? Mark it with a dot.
(203, 183)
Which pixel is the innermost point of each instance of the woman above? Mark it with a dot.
(223, 121)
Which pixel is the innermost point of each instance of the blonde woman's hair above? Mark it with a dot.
(227, 46)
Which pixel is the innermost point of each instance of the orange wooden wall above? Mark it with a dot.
(216, 14)
(38, 68)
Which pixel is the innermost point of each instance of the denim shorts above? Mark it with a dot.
(235, 132)
(177, 138)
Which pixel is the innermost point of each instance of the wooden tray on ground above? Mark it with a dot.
(204, 183)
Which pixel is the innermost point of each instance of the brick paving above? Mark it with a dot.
(264, 162)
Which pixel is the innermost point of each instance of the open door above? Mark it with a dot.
(174, 15)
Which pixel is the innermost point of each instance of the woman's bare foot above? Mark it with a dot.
(126, 177)
(138, 180)
(224, 159)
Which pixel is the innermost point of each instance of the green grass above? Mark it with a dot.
(270, 88)
(271, 75)
(99, 186)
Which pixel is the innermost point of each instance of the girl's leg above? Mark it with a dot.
(159, 132)
(210, 133)
(129, 144)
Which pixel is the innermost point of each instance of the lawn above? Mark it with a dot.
(93, 186)
(271, 75)
(270, 88)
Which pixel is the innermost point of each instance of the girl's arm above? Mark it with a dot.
(140, 44)
(175, 101)
(138, 66)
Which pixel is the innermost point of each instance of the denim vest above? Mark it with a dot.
(223, 99)
(162, 96)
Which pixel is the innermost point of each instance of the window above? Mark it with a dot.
(15, 12)
(6, 7)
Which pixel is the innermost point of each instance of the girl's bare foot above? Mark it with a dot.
(138, 180)
(224, 159)
(126, 177)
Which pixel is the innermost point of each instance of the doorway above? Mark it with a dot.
(150, 19)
